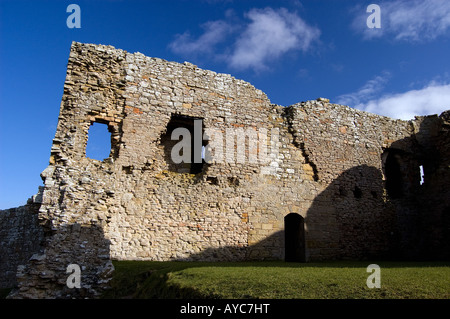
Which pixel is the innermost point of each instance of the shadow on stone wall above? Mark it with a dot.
(422, 207)
(20, 238)
(362, 215)
(348, 220)
(46, 275)
(433, 196)
(259, 251)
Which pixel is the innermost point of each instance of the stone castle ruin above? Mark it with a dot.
(256, 181)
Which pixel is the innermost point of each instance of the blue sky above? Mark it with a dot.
(292, 50)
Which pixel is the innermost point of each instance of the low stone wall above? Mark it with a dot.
(20, 238)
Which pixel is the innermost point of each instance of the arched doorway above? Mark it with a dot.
(294, 238)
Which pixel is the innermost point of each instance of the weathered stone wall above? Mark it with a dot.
(351, 218)
(20, 239)
(433, 197)
(328, 163)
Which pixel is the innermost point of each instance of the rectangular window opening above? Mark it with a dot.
(184, 147)
(99, 142)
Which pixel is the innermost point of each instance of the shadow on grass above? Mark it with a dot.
(149, 279)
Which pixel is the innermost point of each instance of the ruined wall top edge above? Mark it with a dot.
(304, 106)
(143, 60)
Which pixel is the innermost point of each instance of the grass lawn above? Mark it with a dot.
(279, 280)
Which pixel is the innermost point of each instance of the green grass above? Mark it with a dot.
(279, 280)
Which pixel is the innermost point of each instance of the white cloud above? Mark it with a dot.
(366, 92)
(215, 32)
(433, 98)
(267, 36)
(408, 20)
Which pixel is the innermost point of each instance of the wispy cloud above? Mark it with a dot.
(407, 20)
(265, 36)
(433, 98)
(214, 33)
(368, 91)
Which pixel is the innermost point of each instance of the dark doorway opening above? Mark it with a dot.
(394, 178)
(294, 238)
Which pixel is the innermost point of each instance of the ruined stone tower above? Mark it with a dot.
(312, 181)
